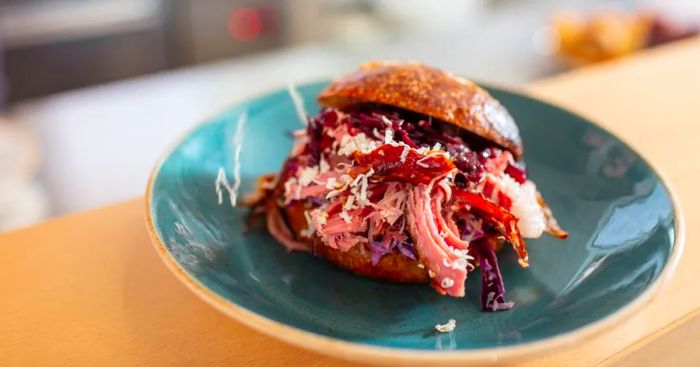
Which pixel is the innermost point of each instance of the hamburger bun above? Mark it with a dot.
(428, 91)
(392, 267)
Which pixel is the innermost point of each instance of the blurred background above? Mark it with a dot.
(93, 91)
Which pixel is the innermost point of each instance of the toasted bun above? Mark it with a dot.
(428, 91)
(393, 267)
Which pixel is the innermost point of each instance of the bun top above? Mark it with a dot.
(428, 91)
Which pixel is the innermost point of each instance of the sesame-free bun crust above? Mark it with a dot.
(392, 267)
(428, 91)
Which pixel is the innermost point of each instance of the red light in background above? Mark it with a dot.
(269, 16)
(245, 24)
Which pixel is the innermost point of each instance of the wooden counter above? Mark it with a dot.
(89, 289)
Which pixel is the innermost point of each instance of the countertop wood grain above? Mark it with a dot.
(89, 289)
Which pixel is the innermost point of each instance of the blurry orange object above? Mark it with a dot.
(604, 36)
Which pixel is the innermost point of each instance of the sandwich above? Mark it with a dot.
(408, 174)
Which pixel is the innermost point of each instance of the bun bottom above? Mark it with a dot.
(393, 267)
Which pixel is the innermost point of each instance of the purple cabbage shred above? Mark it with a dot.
(467, 229)
(407, 249)
(379, 249)
(317, 200)
(492, 289)
(408, 128)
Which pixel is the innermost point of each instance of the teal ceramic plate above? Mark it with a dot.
(625, 240)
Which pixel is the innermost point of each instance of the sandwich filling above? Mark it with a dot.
(395, 182)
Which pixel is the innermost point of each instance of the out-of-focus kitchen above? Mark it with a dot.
(93, 91)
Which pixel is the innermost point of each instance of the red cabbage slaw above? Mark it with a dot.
(397, 183)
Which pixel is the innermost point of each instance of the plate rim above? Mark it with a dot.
(414, 357)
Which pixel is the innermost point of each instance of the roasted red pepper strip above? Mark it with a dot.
(552, 226)
(415, 168)
(505, 222)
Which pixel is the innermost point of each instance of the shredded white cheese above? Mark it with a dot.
(363, 191)
(307, 175)
(376, 134)
(288, 187)
(350, 144)
(447, 282)
(462, 260)
(322, 217)
(347, 180)
(330, 184)
(238, 145)
(309, 230)
(334, 193)
(323, 166)
(387, 121)
(460, 263)
(344, 215)
(349, 203)
(298, 103)
(531, 221)
(221, 181)
(388, 136)
(356, 180)
(404, 153)
(447, 327)
(297, 194)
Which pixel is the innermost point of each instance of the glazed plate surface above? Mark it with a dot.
(624, 241)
